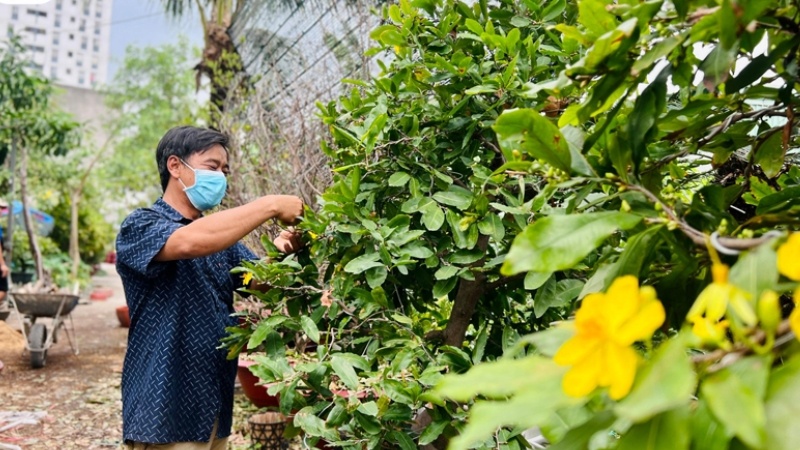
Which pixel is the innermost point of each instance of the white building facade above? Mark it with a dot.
(68, 41)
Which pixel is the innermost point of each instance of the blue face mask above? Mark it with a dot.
(208, 189)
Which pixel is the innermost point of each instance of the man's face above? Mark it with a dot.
(215, 158)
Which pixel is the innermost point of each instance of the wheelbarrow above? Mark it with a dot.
(38, 338)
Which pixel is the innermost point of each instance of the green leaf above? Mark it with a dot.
(403, 440)
(707, 432)
(399, 179)
(782, 406)
(432, 214)
(756, 271)
(454, 196)
(580, 436)
(759, 66)
(541, 388)
(310, 328)
(259, 335)
(500, 379)
(593, 15)
(717, 66)
(736, 406)
(376, 276)
(779, 201)
(443, 287)
(555, 295)
(726, 18)
(526, 130)
(666, 431)
(363, 263)
(553, 9)
(492, 225)
(666, 382)
(560, 242)
(432, 431)
(770, 155)
(446, 272)
(534, 280)
(344, 370)
(473, 26)
(637, 249)
(313, 425)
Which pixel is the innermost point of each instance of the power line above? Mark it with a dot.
(320, 58)
(302, 35)
(272, 36)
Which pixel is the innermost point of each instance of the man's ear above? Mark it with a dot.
(174, 166)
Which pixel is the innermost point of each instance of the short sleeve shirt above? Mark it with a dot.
(176, 380)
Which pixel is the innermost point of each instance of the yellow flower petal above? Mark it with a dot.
(622, 300)
(622, 362)
(642, 325)
(789, 257)
(742, 308)
(794, 322)
(247, 278)
(709, 331)
(574, 350)
(581, 379)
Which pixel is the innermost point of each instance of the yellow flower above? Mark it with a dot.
(247, 278)
(710, 331)
(712, 304)
(794, 317)
(607, 325)
(789, 257)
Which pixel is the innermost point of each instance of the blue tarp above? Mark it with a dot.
(42, 221)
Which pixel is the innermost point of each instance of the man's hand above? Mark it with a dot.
(4, 270)
(288, 241)
(288, 208)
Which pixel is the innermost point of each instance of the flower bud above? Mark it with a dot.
(769, 310)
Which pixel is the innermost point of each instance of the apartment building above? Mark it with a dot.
(68, 40)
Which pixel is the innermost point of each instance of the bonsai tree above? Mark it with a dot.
(517, 163)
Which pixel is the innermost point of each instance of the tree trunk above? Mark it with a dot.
(74, 250)
(467, 297)
(26, 214)
(8, 245)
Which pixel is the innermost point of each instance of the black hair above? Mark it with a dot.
(183, 142)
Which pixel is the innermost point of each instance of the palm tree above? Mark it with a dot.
(220, 60)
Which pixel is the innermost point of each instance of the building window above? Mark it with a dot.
(55, 38)
(54, 58)
(95, 45)
(69, 71)
(58, 21)
(74, 2)
(36, 67)
(72, 19)
(53, 73)
(71, 37)
(83, 25)
(35, 48)
(33, 30)
(15, 12)
(81, 78)
(83, 43)
(98, 14)
(37, 13)
(10, 30)
(69, 54)
(80, 63)
(97, 28)
(58, 4)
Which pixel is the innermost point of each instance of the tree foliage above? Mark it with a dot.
(516, 159)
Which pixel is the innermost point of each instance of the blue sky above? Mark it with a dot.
(143, 23)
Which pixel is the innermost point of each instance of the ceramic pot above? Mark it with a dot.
(256, 393)
(123, 316)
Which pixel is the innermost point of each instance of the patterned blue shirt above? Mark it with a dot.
(175, 380)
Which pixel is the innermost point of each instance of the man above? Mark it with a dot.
(3, 267)
(177, 385)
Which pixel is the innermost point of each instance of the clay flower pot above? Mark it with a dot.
(123, 316)
(256, 393)
(266, 430)
(101, 293)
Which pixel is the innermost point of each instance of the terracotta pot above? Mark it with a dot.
(101, 294)
(256, 393)
(123, 316)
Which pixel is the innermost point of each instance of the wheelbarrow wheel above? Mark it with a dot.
(36, 340)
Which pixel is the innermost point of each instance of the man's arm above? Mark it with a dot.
(3, 267)
(218, 231)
